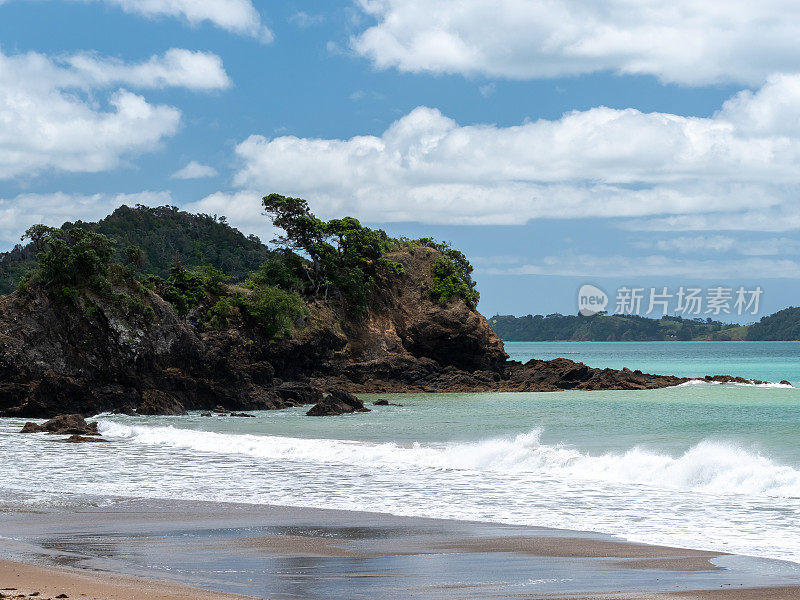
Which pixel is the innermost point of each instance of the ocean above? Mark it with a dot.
(705, 466)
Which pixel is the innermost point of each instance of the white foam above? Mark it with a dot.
(767, 384)
(709, 467)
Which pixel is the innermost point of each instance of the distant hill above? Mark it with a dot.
(166, 236)
(783, 325)
(611, 328)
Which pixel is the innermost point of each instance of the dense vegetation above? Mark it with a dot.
(350, 262)
(215, 277)
(159, 238)
(783, 325)
(611, 328)
(75, 266)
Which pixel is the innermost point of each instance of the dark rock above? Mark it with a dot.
(730, 379)
(785, 382)
(240, 415)
(63, 425)
(79, 439)
(156, 402)
(298, 393)
(337, 402)
(382, 402)
(206, 414)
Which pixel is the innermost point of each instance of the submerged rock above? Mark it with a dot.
(241, 415)
(337, 402)
(382, 402)
(79, 439)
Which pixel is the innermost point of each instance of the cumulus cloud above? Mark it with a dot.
(20, 212)
(242, 209)
(235, 16)
(50, 117)
(195, 170)
(600, 162)
(681, 41)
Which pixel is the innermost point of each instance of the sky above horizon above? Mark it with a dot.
(628, 145)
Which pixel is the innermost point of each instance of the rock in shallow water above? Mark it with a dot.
(338, 402)
(63, 424)
(79, 439)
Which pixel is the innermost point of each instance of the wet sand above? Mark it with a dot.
(155, 549)
(31, 581)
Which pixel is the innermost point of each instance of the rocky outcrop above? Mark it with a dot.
(98, 354)
(338, 402)
(63, 425)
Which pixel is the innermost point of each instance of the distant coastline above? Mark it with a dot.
(783, 325)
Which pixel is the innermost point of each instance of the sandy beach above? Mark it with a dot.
(175, 550)
(46, 583)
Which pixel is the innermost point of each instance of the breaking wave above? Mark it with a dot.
(708, 467)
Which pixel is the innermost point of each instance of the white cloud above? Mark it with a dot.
(600, 162)
(692, 244)
(682, 41)
(722, 243)
(777, 219)
(696, 244)
(487, 90)
(195, 170)
(19, 213)
(586, 265)
(243, 211)
(235, 16)
(304, 20)
(50, 117)
(176, 68)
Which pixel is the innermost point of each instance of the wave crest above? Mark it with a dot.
(709, 467)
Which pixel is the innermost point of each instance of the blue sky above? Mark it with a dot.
(556, 143)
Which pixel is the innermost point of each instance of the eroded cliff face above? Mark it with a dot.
(95, 355)
(408, 324)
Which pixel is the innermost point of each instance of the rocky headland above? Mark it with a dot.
(128, 347)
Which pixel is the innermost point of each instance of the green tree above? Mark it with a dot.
(71, 260)
(346, 257)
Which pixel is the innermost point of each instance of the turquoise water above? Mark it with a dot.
(768, 361)
(698, 465)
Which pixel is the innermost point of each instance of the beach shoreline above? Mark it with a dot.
(238, 550)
